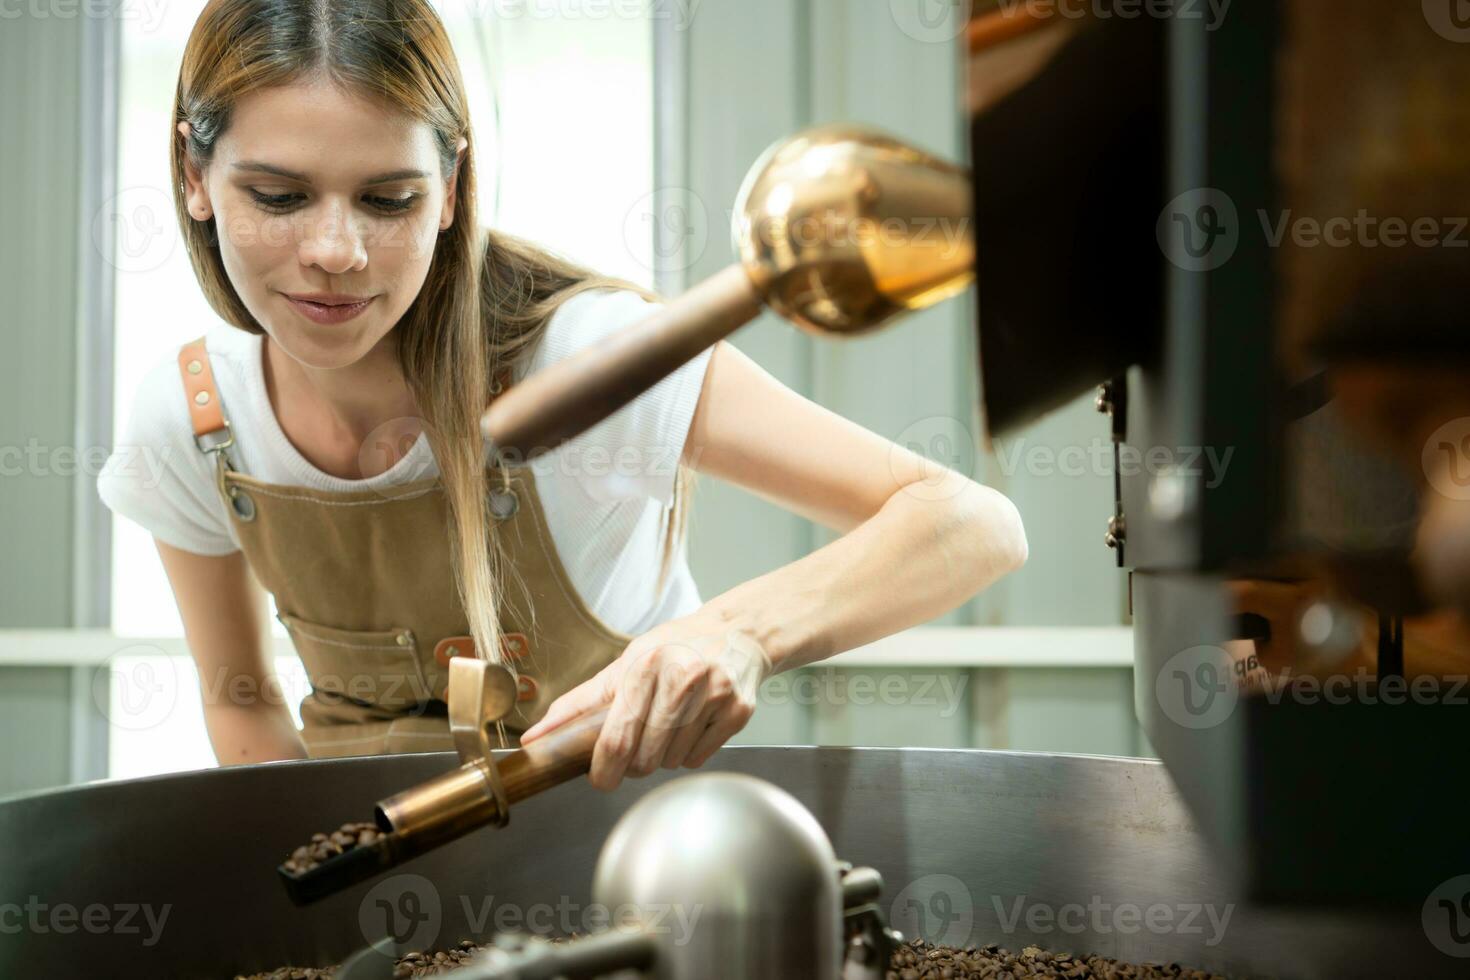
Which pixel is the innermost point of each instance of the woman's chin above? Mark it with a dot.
(323, 348)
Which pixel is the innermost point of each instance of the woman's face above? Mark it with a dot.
(319, 194)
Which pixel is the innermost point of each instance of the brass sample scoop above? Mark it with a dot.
(478, 793)
(838, 229)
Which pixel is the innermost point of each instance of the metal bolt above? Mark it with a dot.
(202, 398)
(1117, 532)
(195, 367)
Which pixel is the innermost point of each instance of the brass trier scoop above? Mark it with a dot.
(479, 792)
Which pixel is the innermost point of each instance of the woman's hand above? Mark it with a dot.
(677, 693)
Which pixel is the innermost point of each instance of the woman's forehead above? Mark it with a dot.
(324, 132)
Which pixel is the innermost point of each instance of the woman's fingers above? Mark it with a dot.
(680, 712)
(727, 722)
(623, 728)
(580, 699)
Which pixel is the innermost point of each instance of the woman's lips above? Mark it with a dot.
(323, 313)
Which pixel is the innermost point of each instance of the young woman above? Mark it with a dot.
(327, 447)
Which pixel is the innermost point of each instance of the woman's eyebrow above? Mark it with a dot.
(270, 168)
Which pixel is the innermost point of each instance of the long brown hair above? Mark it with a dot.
(488, 295)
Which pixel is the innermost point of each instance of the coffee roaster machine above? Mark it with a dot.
(1120, 166)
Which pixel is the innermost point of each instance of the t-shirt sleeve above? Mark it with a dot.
(157, 477)
(635, 451)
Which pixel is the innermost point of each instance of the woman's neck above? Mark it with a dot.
(335, 416)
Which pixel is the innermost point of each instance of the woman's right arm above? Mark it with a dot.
(227, 628)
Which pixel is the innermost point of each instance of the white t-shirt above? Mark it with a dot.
(604, 493)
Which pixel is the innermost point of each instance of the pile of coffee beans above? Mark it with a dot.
(915, 960)
(918, 960)
(326, 846)
(423, 964)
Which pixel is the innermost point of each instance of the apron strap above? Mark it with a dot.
(212, 433)
(206, 413)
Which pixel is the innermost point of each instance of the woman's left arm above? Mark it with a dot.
(918, 540)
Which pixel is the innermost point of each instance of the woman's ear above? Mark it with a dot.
(196, 196)
(446, 216)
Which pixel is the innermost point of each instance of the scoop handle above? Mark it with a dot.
(569, 397)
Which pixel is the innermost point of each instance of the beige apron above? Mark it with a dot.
(363, 582)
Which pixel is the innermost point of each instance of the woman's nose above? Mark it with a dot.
(334, 242)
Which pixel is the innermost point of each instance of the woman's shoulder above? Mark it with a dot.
(634, 453)
(156, 474)
(159, 408)
(586, 319)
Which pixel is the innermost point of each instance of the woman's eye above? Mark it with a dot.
(393, 205)
(280, 203)
(274, 202)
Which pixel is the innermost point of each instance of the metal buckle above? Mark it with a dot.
(218, 443)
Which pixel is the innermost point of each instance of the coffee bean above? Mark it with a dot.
(324, 847)
(915, 960)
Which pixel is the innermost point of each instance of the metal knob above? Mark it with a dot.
(731, 876)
